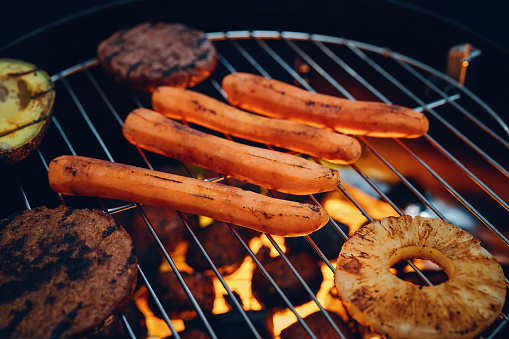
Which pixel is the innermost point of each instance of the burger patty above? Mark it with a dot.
(156, 54)
(63, 272)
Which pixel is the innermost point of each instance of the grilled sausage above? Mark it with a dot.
(281, 100)
(77, 175)
(263, 167)
(194, 107)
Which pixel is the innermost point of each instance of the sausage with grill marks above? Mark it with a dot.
(274, 170)
(278, 99)
(198, 108)
(77, 175)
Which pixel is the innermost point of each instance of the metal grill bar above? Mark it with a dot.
(308, 290)
(359, 47)
(439, 147)
(310, 241)
(433, 112)
(253, 61)
(158, 303)
(167, 256)
(110, 157)
(221, 279)
(127, 327)
(283, 256)
(314, 65)
(342, 90)
(295, 41)
(451, 127)
(322, 72)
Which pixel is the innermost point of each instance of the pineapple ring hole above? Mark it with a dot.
(426, 254)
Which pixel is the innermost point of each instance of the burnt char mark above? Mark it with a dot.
(65, 225)
(20, 74)
(364, 237)
(203, 56)
(71, 170)
(161, 178)
(185, 129)
(189, 65)
(77, 268)
(362, 298)
(312, 103)
(8, 220)
(41, 118)
(277, 160)
(84, 250)
(314, 208)
(131, 260)
(42, 93)
(170, 71)
(65, 324)
(110, 230)
(200, 42)
(203, 196)
(17, 245)
(18, 318)
(272, 88)
(103, 258)
(28, 274)
(199, 107)
(110, 57)
(134, 66)
(69, 211)
(192, 64)
(352, 266)
(70, 238)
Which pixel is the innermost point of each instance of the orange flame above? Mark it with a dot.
(343, 210)
(339, 207)
(156, 327)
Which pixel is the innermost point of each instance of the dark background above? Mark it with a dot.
(56, 34)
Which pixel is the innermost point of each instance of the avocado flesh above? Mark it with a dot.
(26, 99)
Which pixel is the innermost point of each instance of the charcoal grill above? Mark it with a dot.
(457, 172)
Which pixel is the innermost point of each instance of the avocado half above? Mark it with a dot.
(27, 95)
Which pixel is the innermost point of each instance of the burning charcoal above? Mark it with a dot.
(192, 333)
(170, 230)
(328, 240)
(225, 250)
(306, 265)
(320, 326)
(232, 325)
(175, 300)
(168, 226)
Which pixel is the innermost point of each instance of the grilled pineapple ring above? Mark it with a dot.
(462, 307)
